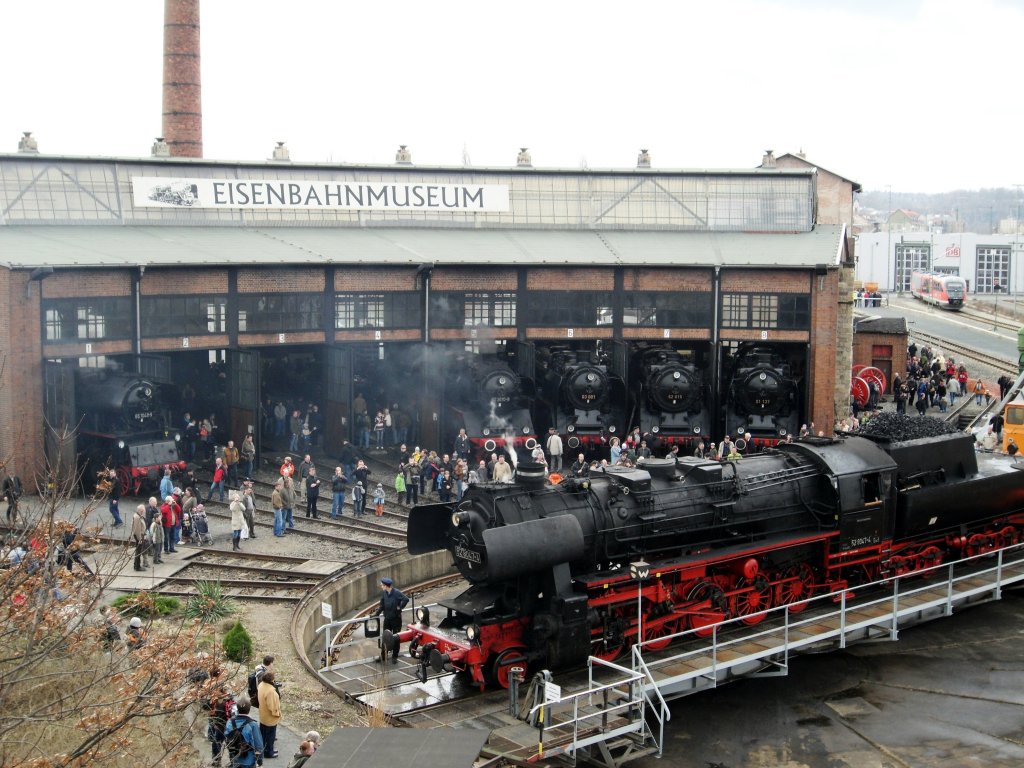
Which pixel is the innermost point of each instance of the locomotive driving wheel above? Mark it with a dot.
(703, 618)
(501, 667)
(928, 558)
(609, 640)
(653, 635)
(753, 598)
(796, 588)
(124, 477)
(1008, 536)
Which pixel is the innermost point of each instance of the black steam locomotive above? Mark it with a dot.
(762, 397)
(124, 426)
(580, 397)
(492, 402)
(673, 397)
(548, 565)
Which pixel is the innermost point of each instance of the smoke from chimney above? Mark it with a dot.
(183, 106)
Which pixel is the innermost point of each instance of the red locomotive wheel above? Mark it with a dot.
(871, 372)
(705, 617)
(1008, 536)
(503, 663)
(928, 557)
(652, 635)
(860, 390)
(796, 588)
(124, 477)
(855, 370)
(752, 600)
(605, 651)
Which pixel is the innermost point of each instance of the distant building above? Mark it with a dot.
(984, 261)
(902, 220)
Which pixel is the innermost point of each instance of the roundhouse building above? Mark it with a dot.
(242, 283)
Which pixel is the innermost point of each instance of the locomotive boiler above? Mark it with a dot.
(762, 396)
(580, 397)
(547, 565)
(493, 403)
(673, 397)
(124, 426)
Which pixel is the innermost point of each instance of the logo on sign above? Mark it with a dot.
(953, 251)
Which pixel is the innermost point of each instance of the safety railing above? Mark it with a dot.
(778, 637)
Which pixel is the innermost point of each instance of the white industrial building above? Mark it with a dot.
(989, 263)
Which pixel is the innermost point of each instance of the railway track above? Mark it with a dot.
(962, 351)
(248, 576)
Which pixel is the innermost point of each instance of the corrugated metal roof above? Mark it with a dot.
(59, 246)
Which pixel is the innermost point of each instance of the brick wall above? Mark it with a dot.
(67, 284)
(458, 334)
(864, 343)
(765, 281)
(175, 282)
(21, 390)
(469, 279)
(264, 339)
(824, 346)
(352, 279)
(688, 280)
(173, 344)
(284, 280)
(700, 334)
(562, 278)
(182, 85)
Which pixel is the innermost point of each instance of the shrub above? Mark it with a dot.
(238, 644)
(146, 605)
(209, 604)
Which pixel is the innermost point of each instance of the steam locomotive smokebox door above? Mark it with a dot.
(427, 526)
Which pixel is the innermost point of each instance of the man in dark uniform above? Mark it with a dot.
(391, 604)
(11, 493)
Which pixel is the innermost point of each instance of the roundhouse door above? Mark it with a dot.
(338, 389)
(59, 411)
(244, 395)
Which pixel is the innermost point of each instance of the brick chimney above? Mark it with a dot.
(183, 106)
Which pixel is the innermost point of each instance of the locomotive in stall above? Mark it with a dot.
(672, 397)
(762, 396)
(548, 565)
(946, 291)
(492, 402)
(579, 397)
(124, 426)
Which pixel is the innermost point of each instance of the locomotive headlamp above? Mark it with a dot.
(487, 431)
(177, 437)
(762, 376)
(571, 428)
(526, 430)
(459, 518)
(783, 432)
(472, 633)
(655, 429)
(120, 444)
(611, 429)
(503, 381)
(676, 375)
(696, 430)
(423, 615)
(489, 445)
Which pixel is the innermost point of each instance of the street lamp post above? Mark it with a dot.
(639, 571)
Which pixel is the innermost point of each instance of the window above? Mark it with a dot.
(783, 311)
(490, 309)
(735, 311)
(566, 309)
(993, 269)
(277, 313)
(908, 259)
(88, 319)
(670, 310)
(183, 315)
(399, 309)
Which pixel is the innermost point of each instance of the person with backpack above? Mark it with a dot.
(243, 738)
(218, 711)
(256, 677)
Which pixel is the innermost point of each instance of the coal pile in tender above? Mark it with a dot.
(899, 427)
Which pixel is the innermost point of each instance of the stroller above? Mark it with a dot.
(200, 527)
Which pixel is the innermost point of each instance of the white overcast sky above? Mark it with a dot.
(921, 95)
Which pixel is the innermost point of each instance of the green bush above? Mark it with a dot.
(209, 604)
(146, 605)
(238, 644)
